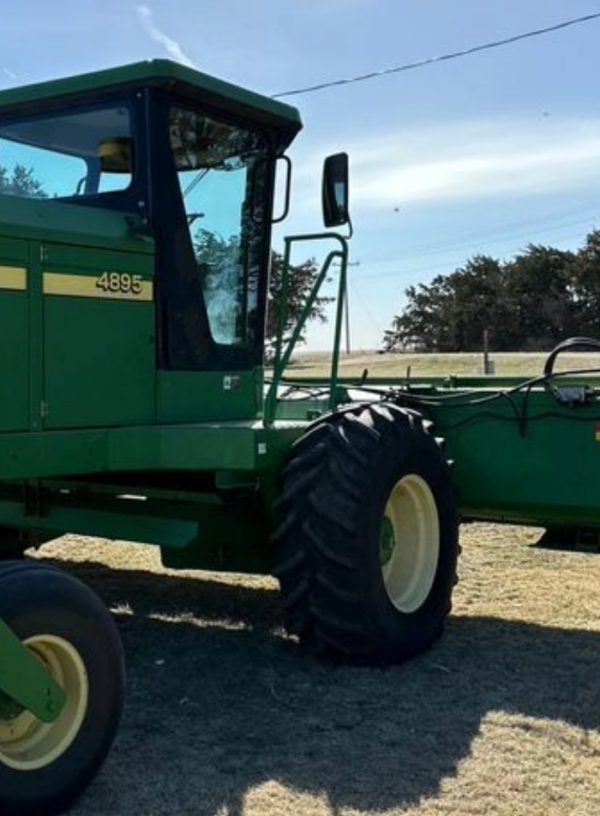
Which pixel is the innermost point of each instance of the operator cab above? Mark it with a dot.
(193, 159)
(149, 190)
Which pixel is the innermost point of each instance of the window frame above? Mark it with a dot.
(175, 253)
(132, 198)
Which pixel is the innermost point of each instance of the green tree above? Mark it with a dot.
(301, 280)
(220, 259)
(539, 294)
(531, 302)
(20, 183)
(452, 312)
(585, 287)
(420, 326)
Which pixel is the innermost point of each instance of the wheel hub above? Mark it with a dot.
(26, 743)
(409, 543)
(387, 541)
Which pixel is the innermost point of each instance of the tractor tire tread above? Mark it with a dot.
(319, 560)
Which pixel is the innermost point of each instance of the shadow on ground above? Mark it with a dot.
(219, 702)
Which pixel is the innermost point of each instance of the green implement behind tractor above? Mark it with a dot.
(136, 207)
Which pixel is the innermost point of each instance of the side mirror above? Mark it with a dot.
(335, 190)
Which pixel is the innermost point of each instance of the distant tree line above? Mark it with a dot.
(531, 302)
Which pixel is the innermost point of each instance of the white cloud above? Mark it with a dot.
(172, 46)
(475, 161)
(9, 73)
(458, 162)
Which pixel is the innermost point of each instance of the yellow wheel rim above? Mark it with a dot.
(26, 743)
(409, 546)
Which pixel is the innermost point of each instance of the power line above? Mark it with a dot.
(409, 269)
(367, 310)
(442, 58)
(505, 231)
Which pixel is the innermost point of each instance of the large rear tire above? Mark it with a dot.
(366, 536)
(44, 767)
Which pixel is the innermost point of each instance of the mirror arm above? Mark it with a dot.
(288, 186)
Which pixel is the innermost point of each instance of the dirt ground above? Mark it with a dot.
(225, 717)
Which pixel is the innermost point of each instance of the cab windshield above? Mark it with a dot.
(221, 169)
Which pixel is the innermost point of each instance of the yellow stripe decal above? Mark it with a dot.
(13, 277)
(106, 286)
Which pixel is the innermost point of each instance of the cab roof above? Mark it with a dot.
(172, 76)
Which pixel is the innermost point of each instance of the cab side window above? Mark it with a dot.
(67, 155)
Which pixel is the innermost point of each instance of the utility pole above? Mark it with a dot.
(347, 314)
(347, 310)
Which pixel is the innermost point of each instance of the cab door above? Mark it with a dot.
(98, 330)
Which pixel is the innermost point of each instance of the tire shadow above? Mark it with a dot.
(219, 702)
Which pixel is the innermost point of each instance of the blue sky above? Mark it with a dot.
(483, 154)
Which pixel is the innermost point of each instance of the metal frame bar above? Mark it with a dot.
(25, 680)
(283, 356)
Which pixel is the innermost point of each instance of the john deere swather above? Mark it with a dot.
(135, 216)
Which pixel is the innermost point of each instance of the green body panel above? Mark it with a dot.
(14, 360)
(25, 682)
(99, 354)
(72, 361)
(519, 454)
(232, 536)
(532, 460)
(206, 489)
(62, 223)
(236, 446)
(14, 339)
(94, 375)
(185, 396)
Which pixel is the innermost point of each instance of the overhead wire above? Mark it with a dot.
(366, 309)
(444, 58)
(507, 230)
(465, 52)
(409, 269)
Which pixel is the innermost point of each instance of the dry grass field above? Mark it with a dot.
(396, 365)
(225, 717)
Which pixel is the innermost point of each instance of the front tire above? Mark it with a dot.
(44, 767)
(366, 536)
